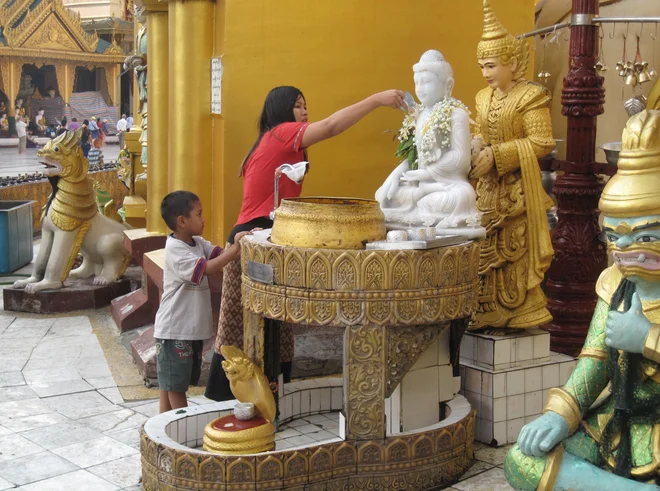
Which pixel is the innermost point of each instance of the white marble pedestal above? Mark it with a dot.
(507, 378)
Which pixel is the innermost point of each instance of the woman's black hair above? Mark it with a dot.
(278, 109)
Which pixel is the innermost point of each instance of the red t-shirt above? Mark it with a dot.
(281, 145)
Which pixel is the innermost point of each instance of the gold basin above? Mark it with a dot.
(328, 223)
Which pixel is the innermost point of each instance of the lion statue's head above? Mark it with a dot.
(63, 157)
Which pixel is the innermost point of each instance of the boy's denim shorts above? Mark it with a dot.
(179, 364)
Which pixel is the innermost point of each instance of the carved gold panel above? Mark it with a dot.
(296, 468)
(212, 470)
(401, 272)
(294, 268)
(241, 471)
(374, 272)
(380, 311)
(270, 472)
(320, 464)
(322, 311)
(319, 272)
(346, 272)
(187, 468)
(274, 258)
(405, 346)
(371, 456)
(344, 459)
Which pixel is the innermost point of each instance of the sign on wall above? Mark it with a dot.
(216, 85)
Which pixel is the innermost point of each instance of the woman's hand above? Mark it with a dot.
(391, 98)
(483, 163)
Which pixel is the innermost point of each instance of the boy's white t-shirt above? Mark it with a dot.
(185, 307)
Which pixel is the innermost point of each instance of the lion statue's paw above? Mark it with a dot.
(42, 285)
(100, 281)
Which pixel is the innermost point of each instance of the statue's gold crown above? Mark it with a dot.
(634, 191)
(496, 42)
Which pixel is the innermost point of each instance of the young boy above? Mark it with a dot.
(95, 155)
(184, 319)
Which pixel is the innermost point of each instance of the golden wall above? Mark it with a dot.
(336, 53)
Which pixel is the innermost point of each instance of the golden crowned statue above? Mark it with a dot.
(513, 131)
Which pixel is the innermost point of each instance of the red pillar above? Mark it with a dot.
(579, 254)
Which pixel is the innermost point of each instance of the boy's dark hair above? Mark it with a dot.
(177, 204)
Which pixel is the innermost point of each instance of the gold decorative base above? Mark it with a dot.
(257, 436)
(425, 460)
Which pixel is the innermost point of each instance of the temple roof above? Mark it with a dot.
(43, 24)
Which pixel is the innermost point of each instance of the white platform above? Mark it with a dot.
(415, 403)
(507, 378)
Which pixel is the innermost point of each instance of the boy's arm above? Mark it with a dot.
(231, 253)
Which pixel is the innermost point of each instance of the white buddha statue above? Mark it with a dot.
(430, 187)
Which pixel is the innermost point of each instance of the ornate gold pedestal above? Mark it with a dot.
(380, 298)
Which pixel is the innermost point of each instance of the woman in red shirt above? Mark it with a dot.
(284, 136)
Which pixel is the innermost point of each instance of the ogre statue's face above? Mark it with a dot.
(635, 246)
(63, 157)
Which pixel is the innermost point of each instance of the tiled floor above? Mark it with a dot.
(63, 422)
(321, 428)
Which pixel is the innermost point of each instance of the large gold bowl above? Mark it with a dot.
(328, 223)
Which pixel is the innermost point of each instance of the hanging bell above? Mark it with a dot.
(601, 67)
(653, 73)
(644, 76)
(631, 78)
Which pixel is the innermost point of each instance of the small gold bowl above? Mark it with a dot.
(328, 223)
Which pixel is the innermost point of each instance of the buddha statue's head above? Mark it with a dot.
(434, 78)
(503, 59)
(630, 202)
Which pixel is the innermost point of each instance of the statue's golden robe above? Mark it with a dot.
(517, 250)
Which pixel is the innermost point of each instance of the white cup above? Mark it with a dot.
(244, 411)
(417, 234)
(397, 236)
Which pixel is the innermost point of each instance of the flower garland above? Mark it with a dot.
(438, 124)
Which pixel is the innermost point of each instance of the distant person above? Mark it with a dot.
(95, 155)
(40, 121)
(121, 129)
(85, 138)
(93, 128)
(21, 132)
(73, 125)
(129, 122)
(103, 130)
(185, 318)
(62, 127)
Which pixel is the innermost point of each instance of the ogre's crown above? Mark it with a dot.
(634, 191)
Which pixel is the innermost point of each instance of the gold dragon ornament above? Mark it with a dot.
(230, 436)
